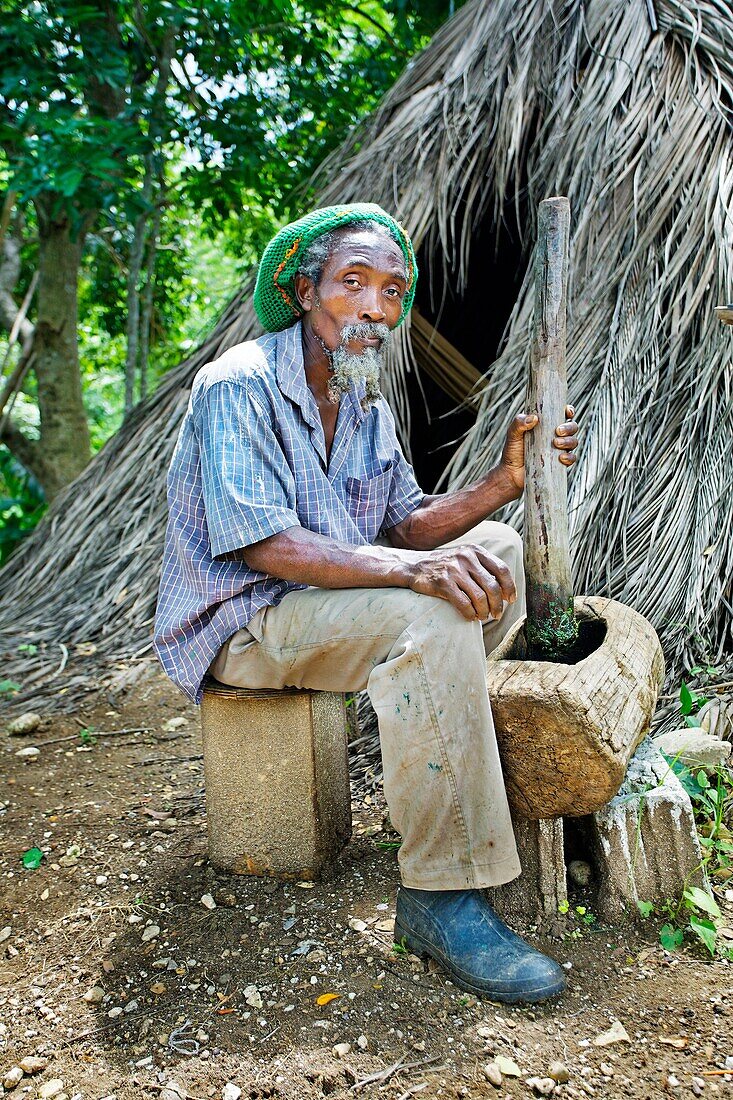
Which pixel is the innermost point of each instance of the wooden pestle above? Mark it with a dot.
(552, 627)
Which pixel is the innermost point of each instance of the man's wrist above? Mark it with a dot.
(508, 481)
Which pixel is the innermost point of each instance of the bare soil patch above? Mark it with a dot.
(126, 984)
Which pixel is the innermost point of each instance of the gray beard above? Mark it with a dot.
(348, 368)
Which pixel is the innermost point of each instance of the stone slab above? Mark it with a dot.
(644, 842)
(277, 780)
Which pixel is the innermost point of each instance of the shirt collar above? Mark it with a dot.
(291, 375)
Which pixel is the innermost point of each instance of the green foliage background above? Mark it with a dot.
(258, 94)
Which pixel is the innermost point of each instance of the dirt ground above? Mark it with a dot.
(126, 984)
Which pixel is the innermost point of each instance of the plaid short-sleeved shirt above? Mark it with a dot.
(250, 461)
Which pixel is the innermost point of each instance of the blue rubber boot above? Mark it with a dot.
(461, 931)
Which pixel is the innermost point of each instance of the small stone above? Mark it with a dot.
(252, 996)
(115, 1012)
(24, 724)
(671, 1082)
(606, 1070)
(95, 995)
(13, 1077)
(150, 932)
(362, 1042)
(694, 747)
(31, 1064)
(100, 880)
(357, 925)
(173, 1091)
(231, 1091)
(580, 872)
(492, 1073)
(131, 1006)
(51, 1088)
(174, 724)
(28, 753)
(507, 1066)
(208, 902)
(541, 1086)
(617, 1033)
(341, 1050)
(698, 1085)
(559, 1072)
(5, 933)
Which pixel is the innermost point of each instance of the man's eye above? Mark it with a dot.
(394, 292)
(351, 280)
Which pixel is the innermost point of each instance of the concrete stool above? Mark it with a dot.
(278, 800)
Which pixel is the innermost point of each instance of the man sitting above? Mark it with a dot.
(301, 552)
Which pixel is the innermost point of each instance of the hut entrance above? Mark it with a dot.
(456, 337)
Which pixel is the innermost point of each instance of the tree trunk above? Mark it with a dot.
(64, 442)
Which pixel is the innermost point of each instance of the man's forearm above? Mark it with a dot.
(306, 557)
(439, 519)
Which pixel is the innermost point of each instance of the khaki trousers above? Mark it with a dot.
(424, 667)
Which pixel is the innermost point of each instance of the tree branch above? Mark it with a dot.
(27, 451)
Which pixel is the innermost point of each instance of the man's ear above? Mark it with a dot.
(305, 292)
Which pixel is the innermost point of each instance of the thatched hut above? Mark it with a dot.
(511, 102)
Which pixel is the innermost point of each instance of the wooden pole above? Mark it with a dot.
(551, 624)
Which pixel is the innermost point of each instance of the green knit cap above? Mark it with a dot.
(275, 301)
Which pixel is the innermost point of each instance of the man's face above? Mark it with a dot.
(357, 302)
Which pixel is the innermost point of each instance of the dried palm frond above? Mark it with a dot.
(510, 103)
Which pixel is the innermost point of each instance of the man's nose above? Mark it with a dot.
(371, 310)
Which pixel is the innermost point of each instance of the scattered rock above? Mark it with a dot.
(559, 1072)
(230, 1091)
(341, 1050)
(24, 724)
(208, 902)
(100, 880)
(252, 996)
(32, 1064)
(150, 932)
(362, 1042)
(698, 1085)
(671, 1082)
(115, 1012)
(5, 933)
(28, 753)
(606, 1070)
(357, 925)
(507, 1067)
(580, 872)
(492, 1073)
(617, 1033)
(13, 1077)
(694, 747)
(95, 995)
(173, 724)
(173, 1091)
(51, 1088)
(541, 1086)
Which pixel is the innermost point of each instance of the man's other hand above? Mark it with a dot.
(512, 459)
(474, 581)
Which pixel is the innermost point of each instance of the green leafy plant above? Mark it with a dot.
(8, 687)
(690, 702)
(27, 647)
(86, 736)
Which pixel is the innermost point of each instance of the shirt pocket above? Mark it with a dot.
(367, 500)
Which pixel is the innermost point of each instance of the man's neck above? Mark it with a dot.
(317, 365)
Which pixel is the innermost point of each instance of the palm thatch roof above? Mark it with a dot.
(511, 102)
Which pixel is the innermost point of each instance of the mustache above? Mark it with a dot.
(367, 330)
